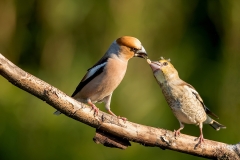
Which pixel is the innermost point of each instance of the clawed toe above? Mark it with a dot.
(123, 118)
(201, 139)
(177, 133)
(95, 109)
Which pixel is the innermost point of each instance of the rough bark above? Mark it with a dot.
(111, 131)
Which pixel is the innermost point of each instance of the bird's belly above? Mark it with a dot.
(184, 118)
(184, 103)
(98, 92)
(189, 113)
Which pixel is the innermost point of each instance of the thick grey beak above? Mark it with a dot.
(141, 53)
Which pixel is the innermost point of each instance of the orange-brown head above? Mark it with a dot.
(131, 47)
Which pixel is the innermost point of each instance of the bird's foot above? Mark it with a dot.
(123, 118)
(177, 133)
(200, 142)
(95, 109)
(201, 139)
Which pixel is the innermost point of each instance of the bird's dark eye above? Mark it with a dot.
(165, 63)
(133, 49)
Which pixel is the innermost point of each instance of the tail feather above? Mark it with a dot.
(57, 113)
(217, 126)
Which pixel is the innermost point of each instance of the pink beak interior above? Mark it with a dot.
(154, 66)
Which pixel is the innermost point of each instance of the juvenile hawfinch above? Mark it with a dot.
(185, 102)
(103, 78)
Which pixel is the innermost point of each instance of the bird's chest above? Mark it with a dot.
(114, 71)
(172, 98)
(108, 81)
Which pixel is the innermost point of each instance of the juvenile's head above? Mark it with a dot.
(163, 70)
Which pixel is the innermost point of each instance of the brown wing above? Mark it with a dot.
(200, 100)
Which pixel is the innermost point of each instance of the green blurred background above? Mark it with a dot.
(58, 40)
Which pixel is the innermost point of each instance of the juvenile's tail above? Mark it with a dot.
(217, 126)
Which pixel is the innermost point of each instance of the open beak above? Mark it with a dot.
(141, 53)
(155, 65)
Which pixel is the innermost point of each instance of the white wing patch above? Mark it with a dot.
(93, 70)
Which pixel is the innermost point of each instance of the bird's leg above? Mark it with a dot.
(201, 139)
(177, 132)
(94, 108)
(109, 111)
(107, 101)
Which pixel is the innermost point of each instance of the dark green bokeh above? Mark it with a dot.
(58, 40)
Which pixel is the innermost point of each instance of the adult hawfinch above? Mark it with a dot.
(103, 78)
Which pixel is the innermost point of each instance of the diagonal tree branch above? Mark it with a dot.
(111, 130)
